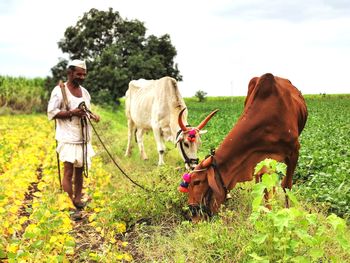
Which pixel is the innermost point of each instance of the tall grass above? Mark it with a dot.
(19, 94)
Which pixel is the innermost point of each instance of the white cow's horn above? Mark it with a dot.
(181, 124)
(205, 121)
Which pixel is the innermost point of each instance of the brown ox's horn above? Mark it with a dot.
(205, 121)
(181, 124)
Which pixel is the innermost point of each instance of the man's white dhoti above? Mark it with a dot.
(73, 153)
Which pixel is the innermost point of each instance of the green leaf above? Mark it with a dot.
(281, 168)
(270, 180)
(301, 259)
(316, 253)
(281, 221)
(304, 236)
(260, 238)
(344, 242)
(256, 202)
(258, 258)
(291, 196)
(312, 219)
(38, 244)
(29, 235)
(69, 243)
(258, 190)
(2, 253)
(337, 222)
(259, 166)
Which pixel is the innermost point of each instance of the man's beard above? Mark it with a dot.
(77, 82)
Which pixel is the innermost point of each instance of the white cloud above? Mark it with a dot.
(221, 45)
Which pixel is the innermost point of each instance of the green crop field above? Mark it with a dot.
(123, 223)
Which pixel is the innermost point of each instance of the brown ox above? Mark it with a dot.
(274, 115)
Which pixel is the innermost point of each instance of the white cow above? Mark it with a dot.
(157, 105)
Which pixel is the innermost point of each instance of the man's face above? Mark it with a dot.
(78, 76)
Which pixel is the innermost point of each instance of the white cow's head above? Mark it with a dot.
(188, 140)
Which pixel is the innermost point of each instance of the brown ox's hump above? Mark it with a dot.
(265, 86)
(260, 87)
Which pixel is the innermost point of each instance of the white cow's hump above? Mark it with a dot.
(142, 83)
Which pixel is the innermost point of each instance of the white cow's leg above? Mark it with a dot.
(139, 137)
(130, 134)
(160, 145)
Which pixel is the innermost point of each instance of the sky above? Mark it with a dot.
(220, 44)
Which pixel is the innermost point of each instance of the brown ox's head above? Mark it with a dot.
(188, 139)
(206, 190)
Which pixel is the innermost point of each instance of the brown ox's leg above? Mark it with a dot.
(288, 179)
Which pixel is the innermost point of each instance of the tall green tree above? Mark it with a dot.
(116, 51)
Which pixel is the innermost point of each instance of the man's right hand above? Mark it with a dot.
(78, 112)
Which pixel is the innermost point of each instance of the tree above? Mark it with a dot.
(116, 51)
(200, 95)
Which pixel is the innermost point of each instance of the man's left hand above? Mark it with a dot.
(95, 117)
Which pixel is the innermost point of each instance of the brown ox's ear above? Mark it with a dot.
(219, 194)
(212, 182)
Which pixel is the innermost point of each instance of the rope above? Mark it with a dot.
(84, 131)
(148, 191)
(116, 164)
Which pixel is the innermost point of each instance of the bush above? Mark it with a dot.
(200, 95)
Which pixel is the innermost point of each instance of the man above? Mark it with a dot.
(70, 121)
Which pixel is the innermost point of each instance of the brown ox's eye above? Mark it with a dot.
(196, 182)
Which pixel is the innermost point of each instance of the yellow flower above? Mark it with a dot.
(92, 217)
(128, 257)
(97, 209)
(5, 224)
(18, 202)
(112, 240)
(41, 185)
(12, 248)
(13, 209)
(47, 213)
(53, 239)
(22, 220)
(121, 228)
